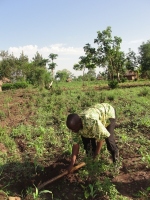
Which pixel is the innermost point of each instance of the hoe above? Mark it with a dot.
(61, 175)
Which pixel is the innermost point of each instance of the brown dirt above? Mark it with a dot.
(133, 175)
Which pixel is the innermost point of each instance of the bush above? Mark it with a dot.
(17, 85)
(144, 92)
(123, 79)
(110, 97)
(113, 84)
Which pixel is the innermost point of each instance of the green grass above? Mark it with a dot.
(47, 135)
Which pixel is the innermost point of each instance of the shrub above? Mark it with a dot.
(17, 85)
(113, 84)
(7, 86)
(20, 85)
(144, 92)
(123, 79)
(111, 97)
(2, 115)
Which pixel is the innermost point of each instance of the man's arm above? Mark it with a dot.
(75, 151)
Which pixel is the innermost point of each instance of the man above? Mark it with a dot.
(93, 126)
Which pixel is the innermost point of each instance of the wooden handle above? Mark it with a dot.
(61, 175)
(78, 166)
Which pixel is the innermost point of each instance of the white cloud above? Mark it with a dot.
(135, 41)
(62, 49)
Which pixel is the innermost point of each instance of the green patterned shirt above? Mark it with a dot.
(95, 120)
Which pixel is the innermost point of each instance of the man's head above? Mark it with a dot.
(74, 122)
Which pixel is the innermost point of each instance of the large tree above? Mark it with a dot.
(131, 61)
(144, 58)
(87, 61)
(51, 64)
(8, 65)
(39, 61)
(40, 77)
(108, 52)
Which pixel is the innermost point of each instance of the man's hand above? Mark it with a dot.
(75, 151)
(70, 168)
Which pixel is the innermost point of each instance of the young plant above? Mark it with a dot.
(37, 194)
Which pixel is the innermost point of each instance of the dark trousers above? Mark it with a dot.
(90, 143)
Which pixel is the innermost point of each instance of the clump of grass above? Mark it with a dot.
(144, 92)
(111, 97)
(2, 115)
(113, 84)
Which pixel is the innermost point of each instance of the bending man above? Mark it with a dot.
(93, 126)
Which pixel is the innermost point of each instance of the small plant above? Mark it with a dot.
(146, 158)
(144, 92)
(145, 194)
(107, 189)
(113, 84)
(111, 97)
(90, 191)
(37, 194)
(2, 115)
(102, 98)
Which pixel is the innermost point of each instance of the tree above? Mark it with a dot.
(108, 51)
(63, 75)
(144, 58)
(5, 70)
(20, 72)
(39, 77)
(8, 65)
(81, 65)
(4, 54)
(87, 61)
(52, 65)
(119, 64)
(39, 61)
(91, 74)
(131, 61)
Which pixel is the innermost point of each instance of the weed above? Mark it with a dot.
(144, 194)
(144, 92)
(111, 97)
(37, 194)
(46, 136)
(2, 115)
(113, 84)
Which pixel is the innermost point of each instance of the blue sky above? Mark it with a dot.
(65, 26)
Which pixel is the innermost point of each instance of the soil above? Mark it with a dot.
(133, 176)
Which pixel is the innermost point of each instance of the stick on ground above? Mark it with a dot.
(61, 175)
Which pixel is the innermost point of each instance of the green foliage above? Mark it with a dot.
(38, 193)
(102, 189)
(144, 58)
(144, 194)
(57, 91)
(2, 115)
(131, 61)
(144, 92)
(17, 85)
(45, 137)
(111, 97)
(63, 75)
(113, 84)
(123, 79)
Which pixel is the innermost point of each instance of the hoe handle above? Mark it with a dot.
(61, 175)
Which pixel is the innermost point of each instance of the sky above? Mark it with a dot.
(64, 27)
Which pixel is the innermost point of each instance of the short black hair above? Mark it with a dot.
(72, 119)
